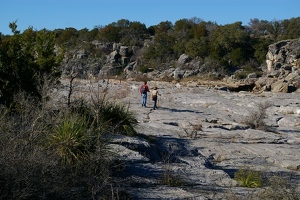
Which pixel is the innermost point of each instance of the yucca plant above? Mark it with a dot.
(118, 116)
(70, 140)
(249, 178)
(114, 114)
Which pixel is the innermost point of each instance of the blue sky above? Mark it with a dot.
(79, 14)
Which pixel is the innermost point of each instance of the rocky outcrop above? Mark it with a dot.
(282, 73)
(283, 67)
(284, 55)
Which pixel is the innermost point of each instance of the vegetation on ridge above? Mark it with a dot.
(222, 48)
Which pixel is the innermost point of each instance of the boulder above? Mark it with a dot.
(178, 73)
(183, 59)
(280, 86)
(113, 57)
(283, 52)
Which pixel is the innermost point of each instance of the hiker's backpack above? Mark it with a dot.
(144, 91)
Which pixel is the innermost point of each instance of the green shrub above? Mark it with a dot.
(143, 69)
(70, 139)
(238, 56)
(241, 75)
(248, 68)
(106, 114)
(118, 117)
(20, 67)
(249, 178)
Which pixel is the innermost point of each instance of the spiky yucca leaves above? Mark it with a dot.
(106, 108)
(249, 178)
(70, 139)
(119, 117)
(108, 116)
(116, 116)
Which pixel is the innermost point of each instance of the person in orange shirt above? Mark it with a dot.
(154, 95)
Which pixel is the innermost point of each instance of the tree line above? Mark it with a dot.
(26, 56)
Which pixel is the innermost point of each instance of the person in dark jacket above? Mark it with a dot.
(143, 90)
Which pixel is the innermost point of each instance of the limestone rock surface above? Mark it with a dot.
(198, 137)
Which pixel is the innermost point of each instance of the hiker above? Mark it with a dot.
(143, 90)
(154, 95)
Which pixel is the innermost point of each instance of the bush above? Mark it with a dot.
(241, 75)
(58, 154)
(119, 118)
(256, 119)
(23, 59)
(144, 69)
(248, 68)
(249, 178)
(169, 177)
(72, 139)
(280, 187)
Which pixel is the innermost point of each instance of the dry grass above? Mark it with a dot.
(280, 187)
(75, 163)
(256, 119)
